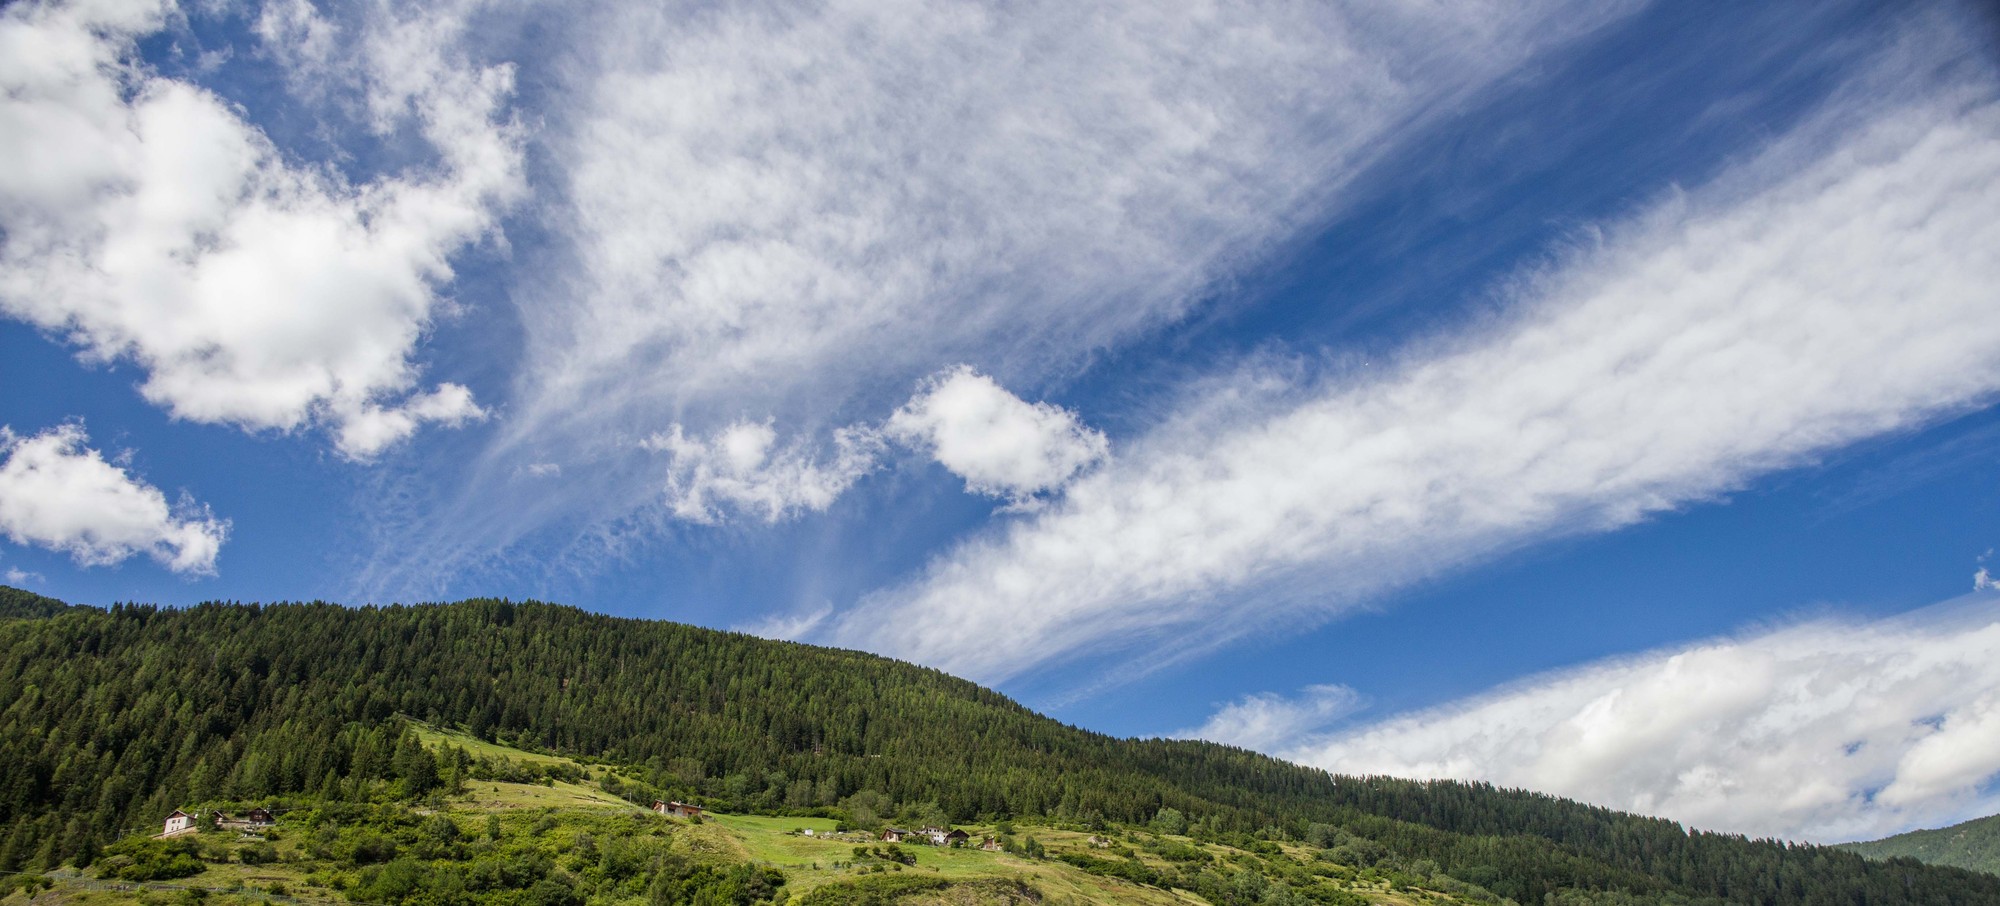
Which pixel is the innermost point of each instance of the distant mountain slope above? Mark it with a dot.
(1974, 844)
(111, 718)
(19, 603)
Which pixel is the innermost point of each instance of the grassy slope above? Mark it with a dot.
(826, 857)
(527, 809)
(1974, 845)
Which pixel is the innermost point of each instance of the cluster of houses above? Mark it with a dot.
(181, 822)
(676, 809)
(936, 836)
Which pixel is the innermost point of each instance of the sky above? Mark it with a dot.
(1592, 397)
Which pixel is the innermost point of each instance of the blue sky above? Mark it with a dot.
(1586, 396)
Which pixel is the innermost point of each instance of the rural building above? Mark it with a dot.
(939, 836)
(677, 809)
(895, 835)
(991, 845)
(178, 823)
(255, 818)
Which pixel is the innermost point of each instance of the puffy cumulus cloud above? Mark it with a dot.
(1001, 445)
(58, 493)
(1824, 731)
(742, 468)
(1838, 287)
(1267, 720)
(145, 220)
(799, 206)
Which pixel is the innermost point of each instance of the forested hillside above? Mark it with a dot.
(1974, 844)
(108, 719)
(16, 603)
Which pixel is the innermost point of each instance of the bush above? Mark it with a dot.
(371, 848)
(554, 892)
(391, 883)
(150, 860)
(875, 890)
(1176, 851)
(441, 829)
(257, 854)
(1130, 870)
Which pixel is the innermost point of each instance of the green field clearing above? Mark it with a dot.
(779, 825)
(438, 738)
(494, 795)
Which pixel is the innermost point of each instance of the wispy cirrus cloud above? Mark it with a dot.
(810, 200)
(788, 626)
(1829, 730)
(1267, 721)
(799, 211)
(1835, 288)
(58, 493)
(146, 220)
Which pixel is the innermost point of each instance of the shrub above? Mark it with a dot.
(150, 860)
(371, 848)
(875, 890)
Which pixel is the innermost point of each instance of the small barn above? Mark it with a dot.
(896, 835)
(673, 809)
(259, 817)
(178, 823)
(991, 845)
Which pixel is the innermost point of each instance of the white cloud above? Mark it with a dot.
(1265, 721)
(789, 627)
(795, 207)
(145, 220)
(18, 576)
(1839, 287)
(1000, 444)
(800, 211)
(740, 469)
(308, 44)
(59, 494)
(1825, 731)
